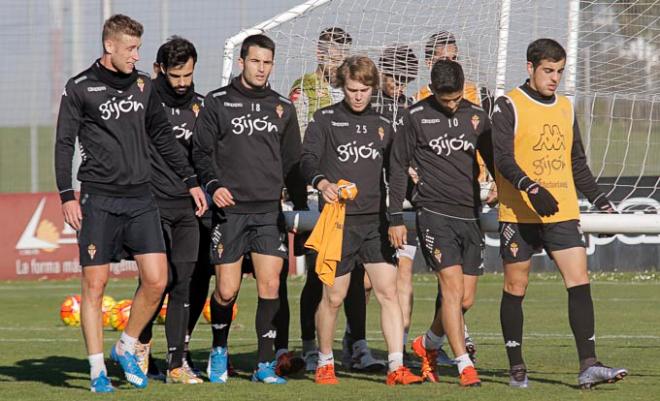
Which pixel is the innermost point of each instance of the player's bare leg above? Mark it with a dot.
(227, 284)
(326, 321)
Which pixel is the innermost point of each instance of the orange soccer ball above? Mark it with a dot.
(70, 310)
(162, 314)
(106, 308)
(206, 312)
(120, 313)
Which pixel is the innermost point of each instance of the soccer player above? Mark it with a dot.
(246, 147)
(540, 163)
(350, 141)
(319, 89)
(309, 93)
(114, 112)
(398, 67)
(443, 46)
(441, 136)
(174, 84)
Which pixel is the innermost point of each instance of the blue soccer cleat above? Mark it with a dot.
(101, 384)
(216, 369)
(129, 365)
(265, 373)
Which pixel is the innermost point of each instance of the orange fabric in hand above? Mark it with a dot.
(326, 238)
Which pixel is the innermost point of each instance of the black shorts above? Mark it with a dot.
(234, 235)
(447, 241)
(114, 227)
(519, 241)
(181, 233)
(364, 241)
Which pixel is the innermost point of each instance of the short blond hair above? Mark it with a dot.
(358, 68)
(118, 24)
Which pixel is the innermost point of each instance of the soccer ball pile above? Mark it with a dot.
(70, 310)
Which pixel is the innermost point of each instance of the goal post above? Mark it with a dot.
(612, 73)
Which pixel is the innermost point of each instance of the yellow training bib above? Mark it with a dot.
(543, 138)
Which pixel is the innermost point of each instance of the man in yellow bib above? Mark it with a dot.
(540, 163)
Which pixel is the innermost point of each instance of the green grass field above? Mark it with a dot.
(40, 359)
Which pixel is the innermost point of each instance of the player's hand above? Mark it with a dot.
(329, 190)
(604, 205)
(413, 175)
(542, 200)
(200, 200)
(397, 236)
(72, 214)
(223, 198)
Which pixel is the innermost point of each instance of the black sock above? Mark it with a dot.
(511, 318)
(355, 306)
(220, 321)
(283, 316)
(266, 331)
(176, 321)
(310, 297)
(581, 318)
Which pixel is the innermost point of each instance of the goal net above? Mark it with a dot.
(612, 73)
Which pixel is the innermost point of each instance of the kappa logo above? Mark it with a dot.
(512, 344)
(91, 250)
(270, 334)
(592, 338)
(43, 234)
(219, 326)
(550, 139)
(282, 248)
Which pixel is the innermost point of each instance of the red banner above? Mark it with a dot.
(35, 243)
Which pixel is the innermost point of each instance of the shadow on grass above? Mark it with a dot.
(56, 371)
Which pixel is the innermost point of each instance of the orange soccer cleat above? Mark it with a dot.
(326, 375)
(470, 378)
(428, 357)
(404, 376)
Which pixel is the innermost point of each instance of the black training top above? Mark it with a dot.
(115, 118)
(443, 147)
(248, 141)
